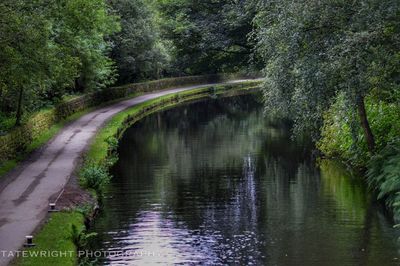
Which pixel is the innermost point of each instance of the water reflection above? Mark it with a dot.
(215, 183)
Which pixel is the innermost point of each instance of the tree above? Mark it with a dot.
(208, 36)
(138, 50)
(23, 46)
(84, 27)
(47, 46)
(315, 49)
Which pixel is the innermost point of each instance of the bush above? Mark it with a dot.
(336, 139)
(94, 176)
(80, 237)
(341, 135)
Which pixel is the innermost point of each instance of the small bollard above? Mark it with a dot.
(52, 207)
(29, 242)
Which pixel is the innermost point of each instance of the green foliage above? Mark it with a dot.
(48, 47)
(336, 139)
(207, 36)
(94, 176)
(342, 137)
(112, 157)
(52, 48)
(6, 123)
(138, 49)
(80, 237)
(384, 175)
(314, 50)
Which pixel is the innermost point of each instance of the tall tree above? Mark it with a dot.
(48, 45)
(315, 49)
(138, 50)
(24, 31)
(208, 36)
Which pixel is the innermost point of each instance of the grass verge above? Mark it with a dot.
(55, 236)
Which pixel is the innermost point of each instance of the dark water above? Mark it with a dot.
(216, 183)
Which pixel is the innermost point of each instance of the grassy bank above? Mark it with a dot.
(56, 235)
(100, 156)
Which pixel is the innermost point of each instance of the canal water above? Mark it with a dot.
(215, 182)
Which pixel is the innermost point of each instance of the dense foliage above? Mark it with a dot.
(314, 50)
(47, 47)
(138, 51)
(334, 68)
(208, 36)
(384, 175)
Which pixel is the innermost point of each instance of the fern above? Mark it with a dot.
(384, 176)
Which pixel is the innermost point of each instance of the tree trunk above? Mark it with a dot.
(19, 107)
(369, 136)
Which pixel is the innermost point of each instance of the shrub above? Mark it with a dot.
(80, 237)
(341, 135)
(94, 176)
(112, 144)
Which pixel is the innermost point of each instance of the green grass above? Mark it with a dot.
(7, 166)
(55, 236)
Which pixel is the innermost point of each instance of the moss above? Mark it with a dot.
(55, 236)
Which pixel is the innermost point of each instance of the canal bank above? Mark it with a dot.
(219, 182)
(99, 154)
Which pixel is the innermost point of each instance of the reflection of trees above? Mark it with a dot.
(355, 206)
(226, 179)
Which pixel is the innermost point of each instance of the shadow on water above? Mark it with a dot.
(215, 182)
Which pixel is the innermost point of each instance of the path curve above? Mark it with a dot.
(24, 200)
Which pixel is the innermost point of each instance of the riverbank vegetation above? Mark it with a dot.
(333, 67)
(57, 236)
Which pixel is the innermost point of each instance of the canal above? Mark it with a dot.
(217, 182)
